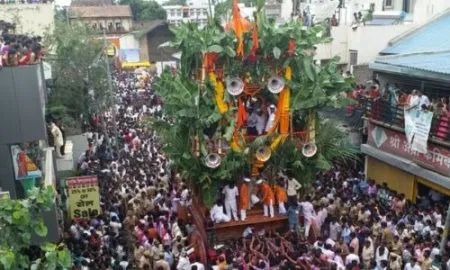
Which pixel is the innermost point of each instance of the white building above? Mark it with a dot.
(359, 44)
(194, 13)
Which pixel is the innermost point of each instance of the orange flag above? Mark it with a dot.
(255, 39)
(238, 28)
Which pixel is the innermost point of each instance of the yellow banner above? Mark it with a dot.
(84, 197)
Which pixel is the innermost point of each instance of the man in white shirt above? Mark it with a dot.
(197, 266)
(183, 262)
(271, 119)
(413, 265)
(308, 213)
(216, 213)
(423, 100)
(292, 187)
(115, 225)
(415, 100)
(231, 192)
(351, 257)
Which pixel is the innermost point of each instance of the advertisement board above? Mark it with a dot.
(436, 159)
(84, 197)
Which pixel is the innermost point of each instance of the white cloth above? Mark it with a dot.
(217, 215)
(268, 209)
(243, 214)
(270, 121)
(414, 101)
(292, 186)
(200, 266)
(423, 100)
(281, 208)
(408, 266)
(183, 264)
(350, 258)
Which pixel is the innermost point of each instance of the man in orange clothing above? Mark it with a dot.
(244, 202)
(281, 196)
(267, 197)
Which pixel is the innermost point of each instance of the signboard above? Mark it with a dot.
(129, 55)
(24, 158)
(417, 128)
(437, 158)
(84, 197)
(4, 195)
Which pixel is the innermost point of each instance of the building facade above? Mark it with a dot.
(198, 13)
(417, 60)
(31, 19)
(114, 19)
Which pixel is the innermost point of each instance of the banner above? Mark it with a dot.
(84, 197)
(390, 141)
(417, 128)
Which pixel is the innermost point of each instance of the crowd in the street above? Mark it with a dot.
(347, 222)
(144, 222)
(18, 49)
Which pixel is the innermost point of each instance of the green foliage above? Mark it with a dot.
(77, 66)
(192, 106)
(145, 10)
(18, 220)
(175, 3)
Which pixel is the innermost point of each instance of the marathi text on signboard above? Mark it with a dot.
(84, 198)
(437, 157)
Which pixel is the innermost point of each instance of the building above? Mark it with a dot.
(114, 20)
(387, 20)
(419, 59)
(23, 137)
(198, 13)
(151, 43)
(31, 19)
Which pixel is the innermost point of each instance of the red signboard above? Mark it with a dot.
(73, 182)
(394, 142)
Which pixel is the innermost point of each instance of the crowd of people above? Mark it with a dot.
(18, 49)
(145, 218)
(347, 222)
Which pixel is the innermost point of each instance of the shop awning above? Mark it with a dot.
(135, 64)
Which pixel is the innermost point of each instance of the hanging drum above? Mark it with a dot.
(213, 160)
(275, 84)
(309, 150)
(235, 86)
(263, 153)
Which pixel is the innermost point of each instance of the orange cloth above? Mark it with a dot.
(238, 28)
(267, 194)
(255, 39)
(280, 194)
(243, 196)
(242, 114)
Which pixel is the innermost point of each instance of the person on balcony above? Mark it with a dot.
(414, 99)
(281, 196)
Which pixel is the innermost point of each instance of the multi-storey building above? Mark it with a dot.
(193, 13)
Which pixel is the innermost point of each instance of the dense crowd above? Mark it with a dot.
(347, 223)
(18, 49)
(145, 207)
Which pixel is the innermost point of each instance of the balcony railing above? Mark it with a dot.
(382, 111)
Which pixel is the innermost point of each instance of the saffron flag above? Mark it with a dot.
(238, 28)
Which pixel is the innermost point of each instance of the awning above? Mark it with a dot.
(136, 64)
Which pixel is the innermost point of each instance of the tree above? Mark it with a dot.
(145, 10)
(77, 66)
(18, 220)
(204, 113)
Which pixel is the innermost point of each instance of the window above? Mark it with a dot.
(110, 26)
(101, 26)
(119, 26)
(353, 57)
(172, 12)
(198, 12)
(94, 26)
(205, 12)
(186, 13)
(388, 3)
(179, 12)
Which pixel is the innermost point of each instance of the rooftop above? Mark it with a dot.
(107, 11)
(431, 37)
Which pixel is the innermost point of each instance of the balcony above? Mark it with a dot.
(386, 140)
(381, 112)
